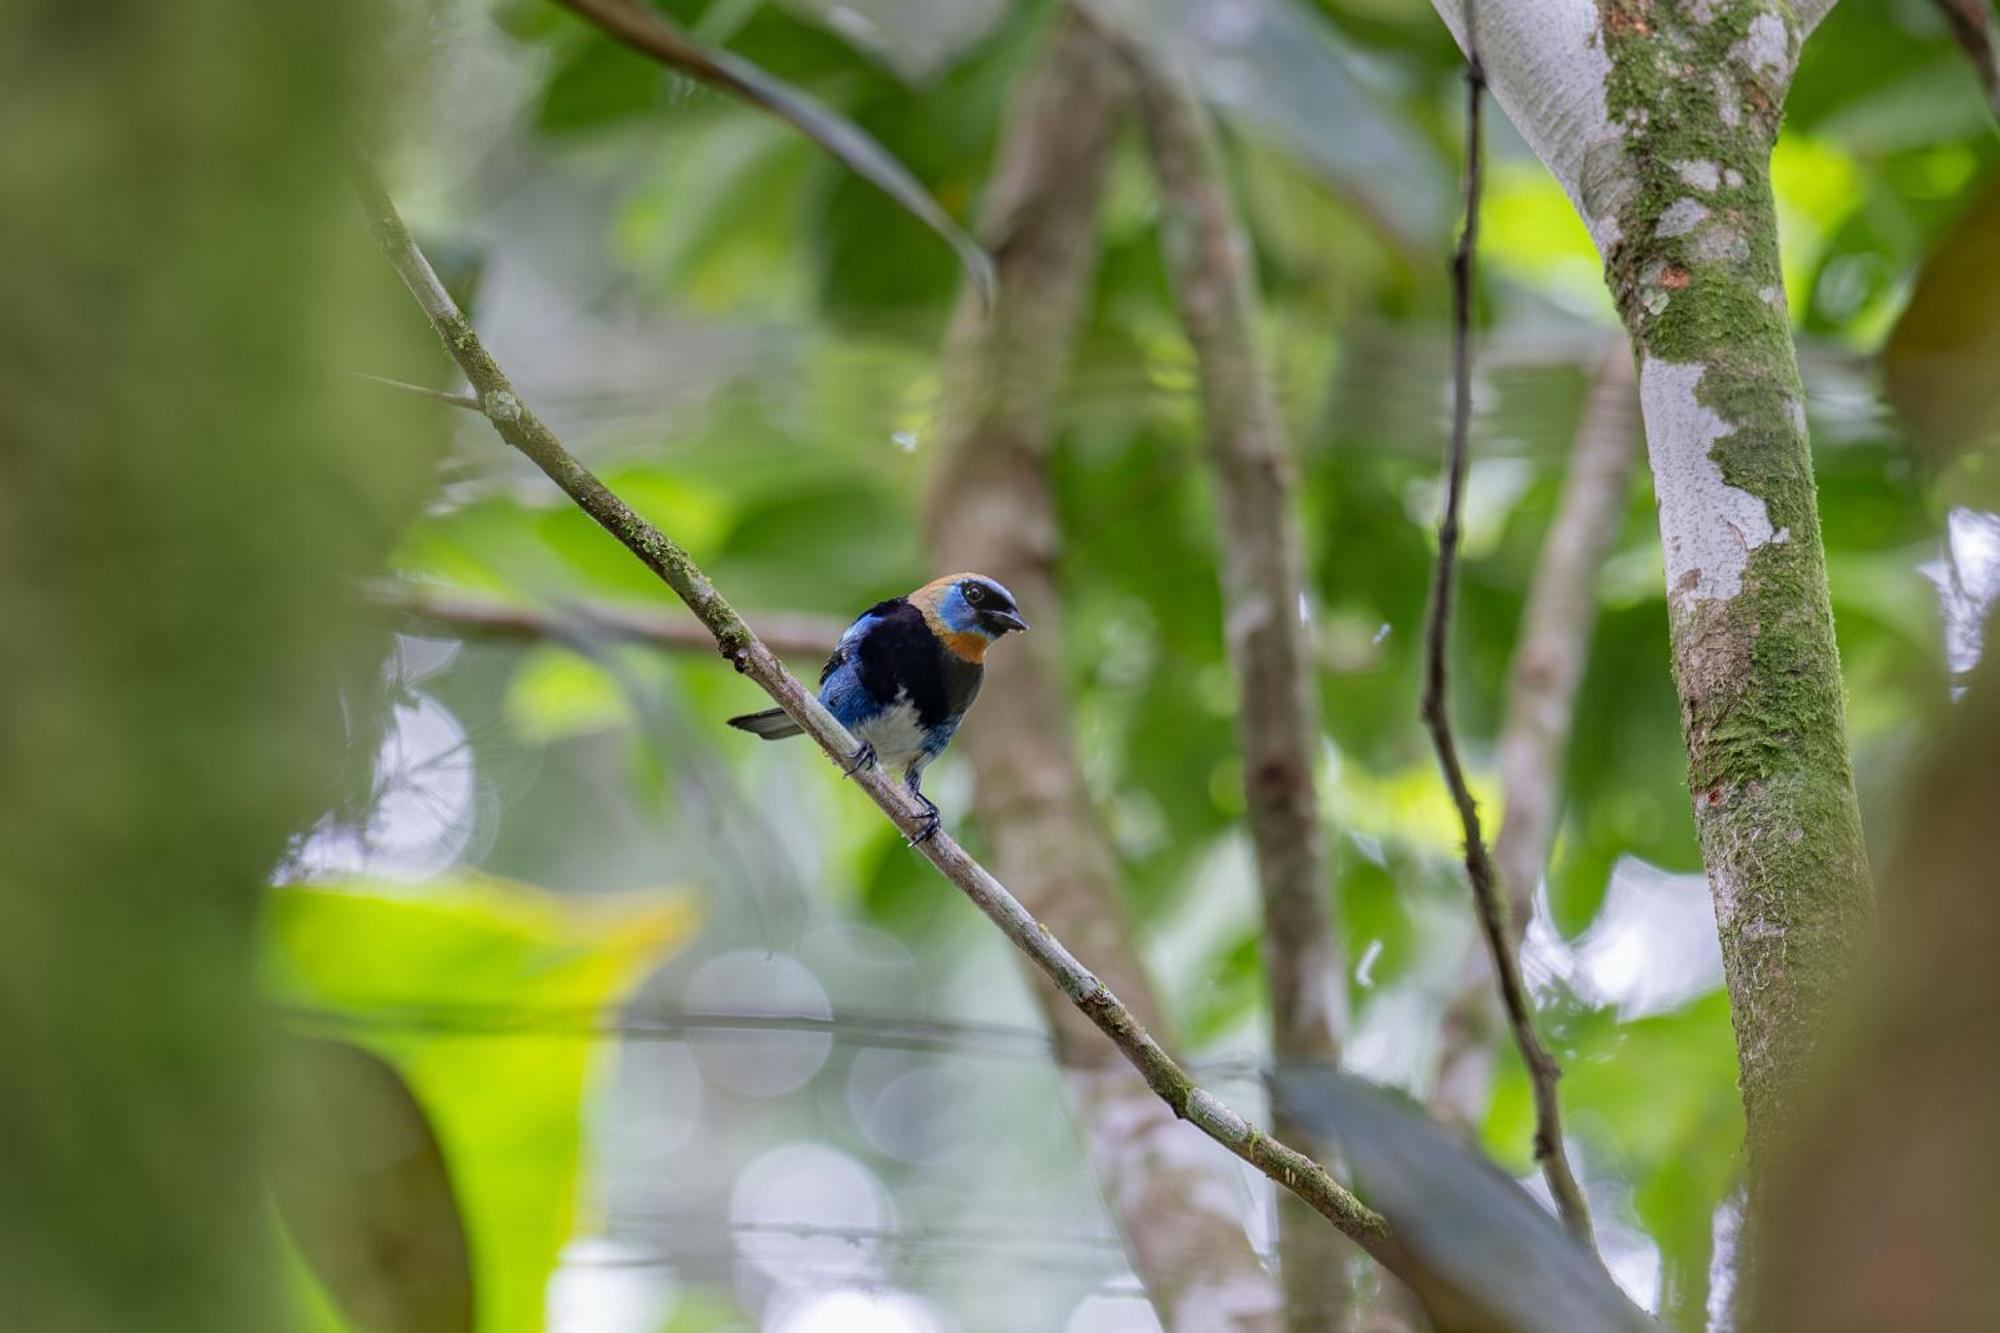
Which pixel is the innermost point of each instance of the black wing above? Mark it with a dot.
(850, 641)
(900, 655)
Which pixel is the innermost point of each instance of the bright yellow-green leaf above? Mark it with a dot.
(1817, 186)
(507, 1104)
(1529, 231)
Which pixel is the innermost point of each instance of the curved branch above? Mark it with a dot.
(523, 430)
(1542, 1070)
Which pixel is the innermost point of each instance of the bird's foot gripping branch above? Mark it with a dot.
(521, 428)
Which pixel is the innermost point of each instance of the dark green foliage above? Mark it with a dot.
(366, 1193)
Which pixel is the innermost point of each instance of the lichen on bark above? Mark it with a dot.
(1697, 89)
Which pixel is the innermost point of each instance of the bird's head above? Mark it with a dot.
(968, 611)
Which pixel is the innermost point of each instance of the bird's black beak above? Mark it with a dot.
(1006, 620)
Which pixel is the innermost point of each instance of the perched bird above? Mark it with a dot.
(904, 674)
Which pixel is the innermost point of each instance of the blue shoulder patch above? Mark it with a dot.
(840, 687)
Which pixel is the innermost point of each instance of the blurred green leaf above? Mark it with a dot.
(507, 1108)
(651, 35)
(1278, 69)
(594, 83)
(556, 693)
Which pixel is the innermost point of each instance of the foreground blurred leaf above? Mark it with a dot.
(363, 1186)
(404, 971)
(651, 35)
(1495, 1260)
(1938, 365)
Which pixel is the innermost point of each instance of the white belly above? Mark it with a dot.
(895, 734)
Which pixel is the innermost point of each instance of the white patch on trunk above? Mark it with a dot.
(1718, 244)
(1708, 528)
(1767, 47)
(1728, 101)
(1681, 217)
(1700, 174)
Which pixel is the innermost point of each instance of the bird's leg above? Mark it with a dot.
(863, 758)
(933, 818)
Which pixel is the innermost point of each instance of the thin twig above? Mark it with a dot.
(787, 633)
(1492, 907)
(459, 400)
(522, 429)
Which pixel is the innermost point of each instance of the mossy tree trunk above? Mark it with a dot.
(1658, 119)
(189, 483)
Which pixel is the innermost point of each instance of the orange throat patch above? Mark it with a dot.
(969, 646)
(966, 645)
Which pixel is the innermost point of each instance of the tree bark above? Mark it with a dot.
(1658, 119)
(1264, 600)
(993, 511)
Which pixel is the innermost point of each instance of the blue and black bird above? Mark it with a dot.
(904, 674)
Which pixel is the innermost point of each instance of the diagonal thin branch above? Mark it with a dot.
(1486, 892)
(787, 633)
(523, 430)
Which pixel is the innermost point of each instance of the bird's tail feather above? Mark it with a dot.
(771, 724)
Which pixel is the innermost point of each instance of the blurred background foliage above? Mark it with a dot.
(743, 339)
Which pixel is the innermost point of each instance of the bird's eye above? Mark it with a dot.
(974, 593)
